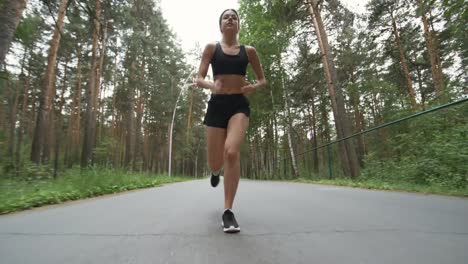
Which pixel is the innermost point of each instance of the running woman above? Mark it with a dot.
(227, 117)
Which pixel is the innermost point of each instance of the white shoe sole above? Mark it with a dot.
(230, 229)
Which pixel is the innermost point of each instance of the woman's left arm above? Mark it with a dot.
(257, 67)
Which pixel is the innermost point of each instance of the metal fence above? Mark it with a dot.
(387, 143)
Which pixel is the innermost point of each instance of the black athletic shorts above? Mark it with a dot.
(221, 107)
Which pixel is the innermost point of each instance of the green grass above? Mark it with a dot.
(378, 185)
(25, 193)
(21, 194)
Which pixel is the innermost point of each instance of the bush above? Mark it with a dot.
(434, 151)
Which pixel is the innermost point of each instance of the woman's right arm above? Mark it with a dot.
(204, 65)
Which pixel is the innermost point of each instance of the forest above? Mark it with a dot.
(102, 85)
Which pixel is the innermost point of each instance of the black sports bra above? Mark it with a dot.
(223, 63)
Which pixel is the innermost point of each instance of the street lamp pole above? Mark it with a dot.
(173, 118)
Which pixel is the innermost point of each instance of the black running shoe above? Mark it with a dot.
(214, 180)
(229, 223)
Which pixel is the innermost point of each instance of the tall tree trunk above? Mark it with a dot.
(98, 83)
(420, 84)
(113, 112)
(130, 117)
(195, 170)
(113, 127)
(91, 98)
(289, 124)
(13, 117)
(259, 168)
(254, 156)
(146, 149)
(270, 154)
(58, 128)
(404, 65)
(276, 155)
(2, 122)
(119, 139)
(139, 118)
(354, 98)
(73, 133)
(49, 137)
(348, 155)
(32, 115)
(378, 119)
(10, 15)
(4, 125)
(100, 115)
(437, 54)
(313, 122)
(325, 127)
(43, 123)
(355, 101)
(22, 121)
(15, 149)
(140, 111)
(433, 54)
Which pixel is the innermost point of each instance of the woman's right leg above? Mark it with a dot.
(216, 138)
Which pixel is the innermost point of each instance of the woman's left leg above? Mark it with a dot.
(236, 130)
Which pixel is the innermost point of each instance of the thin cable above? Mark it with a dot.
(386, 124)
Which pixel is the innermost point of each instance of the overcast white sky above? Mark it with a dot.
(197, 21)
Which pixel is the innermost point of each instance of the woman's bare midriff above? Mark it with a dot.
(228, 84)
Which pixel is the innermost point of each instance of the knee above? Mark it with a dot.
(215, 164)
(231, 154)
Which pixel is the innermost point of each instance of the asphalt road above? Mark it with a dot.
(280, 223)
